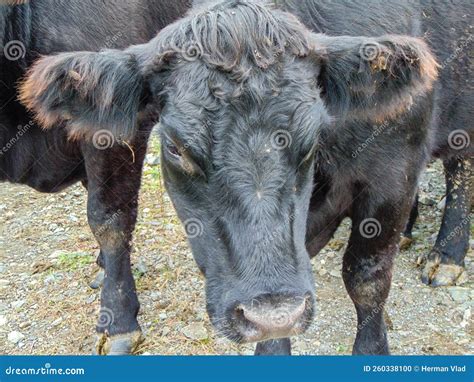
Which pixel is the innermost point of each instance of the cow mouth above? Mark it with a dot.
(246, 327)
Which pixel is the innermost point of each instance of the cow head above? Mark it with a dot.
(243, 92)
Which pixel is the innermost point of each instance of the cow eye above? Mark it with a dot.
(173, 149)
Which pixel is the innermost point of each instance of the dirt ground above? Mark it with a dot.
(47, 255)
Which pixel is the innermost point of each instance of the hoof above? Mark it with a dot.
(98, 280)
(120, 344)
(436, 274)
(405, 243)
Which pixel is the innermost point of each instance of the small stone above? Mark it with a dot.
(57, 321)
(18, 304)
(165, 331)
(155, 295)
(3, 320)
(152, 160)
(442, 204)
(163, 316)
(335, 272)
(141, 267)
(56, 254)
(4, 283)
(49, 279)
(195, 331)
(427, 201)
(15, 337)
(24, 325)
(91, 299)
(462, 341)
(459, 294)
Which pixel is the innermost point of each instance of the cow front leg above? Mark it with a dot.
(445, 263)
(114, 177)
(280, 346)
(367, 277)
(367, 267)
(407, 236)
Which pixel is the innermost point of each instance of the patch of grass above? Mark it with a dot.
(74, 260)
(342, 349)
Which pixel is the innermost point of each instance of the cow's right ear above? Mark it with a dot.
(90, 90)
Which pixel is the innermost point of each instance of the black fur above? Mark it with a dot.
(227, 81)
(105, 143)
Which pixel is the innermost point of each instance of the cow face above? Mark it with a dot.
(243, 93)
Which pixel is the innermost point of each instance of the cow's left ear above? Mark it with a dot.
(372, 78)
(91, 90)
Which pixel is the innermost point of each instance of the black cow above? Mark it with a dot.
(444, 265)
(110, 167)
(452, 140)
(272, 133)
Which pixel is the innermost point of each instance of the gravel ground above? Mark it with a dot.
(47, 258)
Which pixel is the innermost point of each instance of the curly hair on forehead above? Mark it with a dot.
(234, 37)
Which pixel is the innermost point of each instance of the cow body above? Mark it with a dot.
(49, 160)
(273, 131)
(447, 28)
